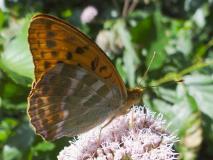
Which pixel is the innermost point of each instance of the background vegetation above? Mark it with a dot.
(130, 31)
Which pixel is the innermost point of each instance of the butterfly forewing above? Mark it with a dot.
(54, 41)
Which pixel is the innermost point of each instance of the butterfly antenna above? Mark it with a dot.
(145, 73)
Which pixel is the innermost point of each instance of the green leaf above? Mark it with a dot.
(184, 36)
(44, 146)
(144, 32)
(121, 69)
(8, 123)
(181, 111)
(130, 56)
(201, 88)
(23, 137)
(7, 104)
(158, 45)
(67, 13)
(16, 59)
(11, 153)
(168, 94)
(199, 17)
(6, 127)
(3, 135)
(2, 19)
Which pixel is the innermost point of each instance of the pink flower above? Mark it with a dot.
(88, 14)
(138, 135)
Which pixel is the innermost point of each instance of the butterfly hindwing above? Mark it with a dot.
(69, 100)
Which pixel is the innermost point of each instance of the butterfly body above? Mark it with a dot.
(76, 86)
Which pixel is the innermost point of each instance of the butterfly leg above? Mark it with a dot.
(102, 127)
(131, 121)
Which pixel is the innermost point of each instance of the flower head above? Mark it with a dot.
(138, 135)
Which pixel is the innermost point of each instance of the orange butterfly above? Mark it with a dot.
(76, 86)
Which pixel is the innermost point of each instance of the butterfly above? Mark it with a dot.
(76, 86)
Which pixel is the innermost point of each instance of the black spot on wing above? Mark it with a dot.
(69, 55)
(94, 63)
(54, 53)
(50, 34)
(79, 50)
(102, 68)
(59, 62)
(50, 43)
(46, 64)
(42, 54)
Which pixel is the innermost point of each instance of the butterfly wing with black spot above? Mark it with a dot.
(54, 41)
(69, 100)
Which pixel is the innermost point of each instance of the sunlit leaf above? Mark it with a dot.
(130, 56)
(16, 59)
(121, 69)
(2, 18)
(199, 18)
(11, 153)
(201, 88)
(180, 110)
(44, 146)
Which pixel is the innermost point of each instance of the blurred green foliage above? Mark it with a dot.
(179, 31)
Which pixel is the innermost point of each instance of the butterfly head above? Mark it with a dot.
(134, 95)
